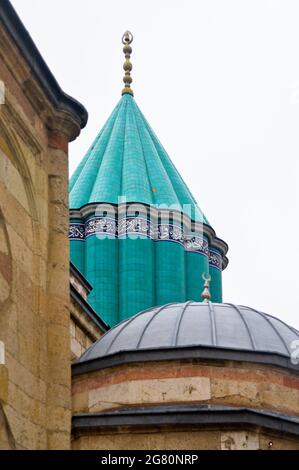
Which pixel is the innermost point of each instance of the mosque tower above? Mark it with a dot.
(136, 232)
(179, 369)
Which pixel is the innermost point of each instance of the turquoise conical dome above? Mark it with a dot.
(127, 159)
(136, 231)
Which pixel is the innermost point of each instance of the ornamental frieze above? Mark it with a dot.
(135, 225)
(170, 232)
(197, 244)
(77, 232)
(100, 226)
(110, 227)
(215, 259)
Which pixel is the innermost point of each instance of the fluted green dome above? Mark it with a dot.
(138, 257)
(127, 159)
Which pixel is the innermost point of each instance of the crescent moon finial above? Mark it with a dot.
(127, 38)
(206, 279)
(206, 294)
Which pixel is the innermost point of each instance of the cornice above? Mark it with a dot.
(59, 111)
(120, 211)
(195, 353)
(9, 113)
(194, 416)
(79, 276)
(88, 310)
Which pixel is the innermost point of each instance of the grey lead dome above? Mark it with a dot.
(193, 324)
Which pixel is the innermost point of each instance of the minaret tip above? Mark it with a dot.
(127, 39)
(206, 294)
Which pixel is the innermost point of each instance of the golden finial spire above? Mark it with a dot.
(206, 294)
(127, 40)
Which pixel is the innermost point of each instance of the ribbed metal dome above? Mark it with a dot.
(193, 324)
(127, 159)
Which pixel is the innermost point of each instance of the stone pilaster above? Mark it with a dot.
(58, 337)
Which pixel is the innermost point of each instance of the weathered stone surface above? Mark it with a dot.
(7, 441)
(265, 387)
(34, 259)
(150, 391)
(83, 330)
(169, 382)
(145, 440)
(153, 439)
(80, 403)
(3, 383)
(276, 442)
(239, 440)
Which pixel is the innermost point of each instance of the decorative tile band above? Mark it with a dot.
(110, 228)
(197, 245)
(215, 259)
(77, 231)
(136, 226)
(104, 226)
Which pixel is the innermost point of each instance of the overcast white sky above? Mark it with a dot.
(219, 83)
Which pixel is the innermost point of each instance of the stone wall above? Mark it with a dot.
(144, 386)
(84, 332)
(34, 251)
(226, 383)
(230, 439)
(80, 341)
(86, 326)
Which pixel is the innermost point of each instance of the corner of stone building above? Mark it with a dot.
(58, 338)
(37, 121)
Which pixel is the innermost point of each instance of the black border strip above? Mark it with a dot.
(13, 24)
(183, 353)
(182, 415)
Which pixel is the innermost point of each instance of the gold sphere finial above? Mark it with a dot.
(127, 39)
(206, 294)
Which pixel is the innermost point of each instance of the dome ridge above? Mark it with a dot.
(127, 157)
(265, 316)
(168, 162)
(83, 180)
(179, 321)
(237, 308)
(159, 178)
(112, 158)
(152, 194)
(124, 324)
(190, 325)
(213, 324)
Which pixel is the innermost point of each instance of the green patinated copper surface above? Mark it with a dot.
(127, 159)
(129, 275)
